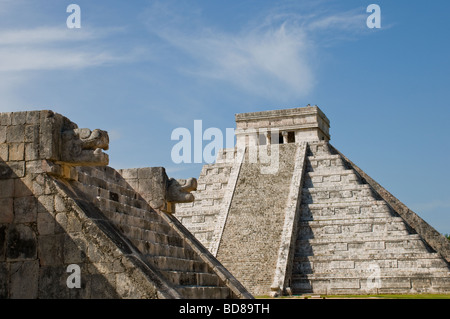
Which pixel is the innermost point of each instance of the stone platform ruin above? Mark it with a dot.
(61, 205)
(312, 223)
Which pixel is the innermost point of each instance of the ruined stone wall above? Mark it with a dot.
(41, 232)
(24, 203)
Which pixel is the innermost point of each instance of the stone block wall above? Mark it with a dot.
(150, 182)
(22, 214)
(55, 215)
(41, 232)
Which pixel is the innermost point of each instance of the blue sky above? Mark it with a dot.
(140, 69)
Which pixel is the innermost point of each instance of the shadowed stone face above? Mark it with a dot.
(83, 147)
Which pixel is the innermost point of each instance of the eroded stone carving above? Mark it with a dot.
(83, 147)
(178, 190)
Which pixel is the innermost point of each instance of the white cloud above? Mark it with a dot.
(50, 48)
(351, 21)
(23, 51)
(267, 61)
(274, 57)
(42, 35)
(42, 59)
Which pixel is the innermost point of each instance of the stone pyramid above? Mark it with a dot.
(72, 227)
(286, 212)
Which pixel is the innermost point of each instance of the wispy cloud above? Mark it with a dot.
(274, 57)
(349, 21)
(50, 48)
(272, 60)
(44, 35)
(27, 53)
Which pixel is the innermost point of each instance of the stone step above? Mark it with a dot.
(350, 227)
(207, 202)
(363, 256)
(164, 239)
(103, 173)
(349, 231)
(386, 284)
(334, 249)
(330, 178)
(347, 172)
(197, 225)
(204, 292)
(342, 267)
(212, 178)
(341, 194)
(363, 273)
(178, 264)
(323, 157)
(153, 233)
(343, 221)
(361, 243)
(325, 163)
(180, 278)
(127, 220)
(331, 211)
(158, 249)
(218, 168)
(96, 185)
(197, 212)
(210, 194)
(132, 220)
(318, 148)
(358, 238)
(145, 212)
(374, 202)
(343, 187)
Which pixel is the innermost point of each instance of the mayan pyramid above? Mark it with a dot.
(73, 227)
(286, 212)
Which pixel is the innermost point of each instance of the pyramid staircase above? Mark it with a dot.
(350, 241)
(182, 263)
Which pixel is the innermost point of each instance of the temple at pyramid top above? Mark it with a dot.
(316, 223)
(285, 126)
